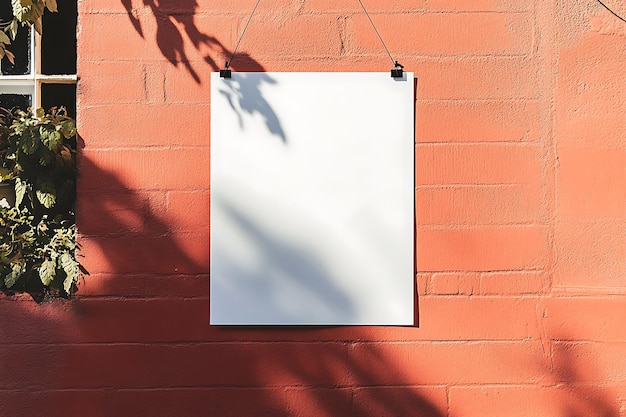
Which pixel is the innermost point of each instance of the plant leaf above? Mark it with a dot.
(51, 138)
(13, 29)
(52, 5)
(5, 174)
(4, 38)
(72, 270)
(47, 271)
(68, 128)
(20, 191)
(29, 142)
(10, 56)
(46, 192)
(17, 270)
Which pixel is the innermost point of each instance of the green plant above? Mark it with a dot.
(25, 12)
(38, 247)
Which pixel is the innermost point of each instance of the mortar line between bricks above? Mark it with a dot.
(518, 144)
(347, 343)
(536, 296)
(124, 298)
(474, 226)
(477, 100)
(588, 292)
(451, 142)
(348, 11)
(596, 296)
(582, 342)
(239, 387)
(144, 148)
(461, 141)
(477, 226)
(394, 12)
(480, 185)
(509, 272)
(97, 190)
(476, 271)
(97, 105)
(133, 234)
(296, 386)
(466, 185)
(37, 389)
(512, 385)
(289, 57)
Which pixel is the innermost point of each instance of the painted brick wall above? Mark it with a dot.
(520, 210)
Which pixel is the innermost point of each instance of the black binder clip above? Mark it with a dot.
(226, 73)
(396, 71)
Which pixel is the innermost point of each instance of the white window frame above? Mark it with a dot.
(31, 83)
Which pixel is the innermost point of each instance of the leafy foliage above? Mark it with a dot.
(25, 12)
(37, 246)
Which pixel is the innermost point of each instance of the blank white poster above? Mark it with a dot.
(312, 195)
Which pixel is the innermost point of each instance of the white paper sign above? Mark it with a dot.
(312, 195)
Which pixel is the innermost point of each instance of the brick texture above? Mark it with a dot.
(520, 214)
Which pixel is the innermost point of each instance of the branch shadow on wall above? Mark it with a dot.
(132, 236)
(168, 37)
(588, 394)
(191, 379)
(280, 375)
(121, 221)
(169, 16)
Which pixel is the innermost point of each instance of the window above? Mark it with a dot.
(44, 72)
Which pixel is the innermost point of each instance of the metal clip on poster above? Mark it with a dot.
(396, 72)
(226, 73)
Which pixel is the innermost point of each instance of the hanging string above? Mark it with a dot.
(242, 33)
(393, 61)
(614, 14)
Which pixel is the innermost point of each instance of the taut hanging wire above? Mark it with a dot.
(242, 33)
(610, 10)
(395, 72)
(393, 61)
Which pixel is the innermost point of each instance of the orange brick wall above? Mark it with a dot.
(520, 211)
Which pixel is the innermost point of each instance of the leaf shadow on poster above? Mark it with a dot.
(244, 97)
(284, 280)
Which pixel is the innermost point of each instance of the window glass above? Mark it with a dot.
(20, 46)
(58, 42)
(59, 95)
(10, 101)
(50, 81)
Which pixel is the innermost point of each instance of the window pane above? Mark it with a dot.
(20, 46)
(58, 43)
(59, 95)
(11, 101)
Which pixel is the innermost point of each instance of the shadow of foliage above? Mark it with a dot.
(172, 14)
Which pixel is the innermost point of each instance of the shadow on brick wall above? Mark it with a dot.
(169, 37)
(51, 366)
(585, 382)
(136, 340)
(139, 343)
(175, 20)
(123, 224)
